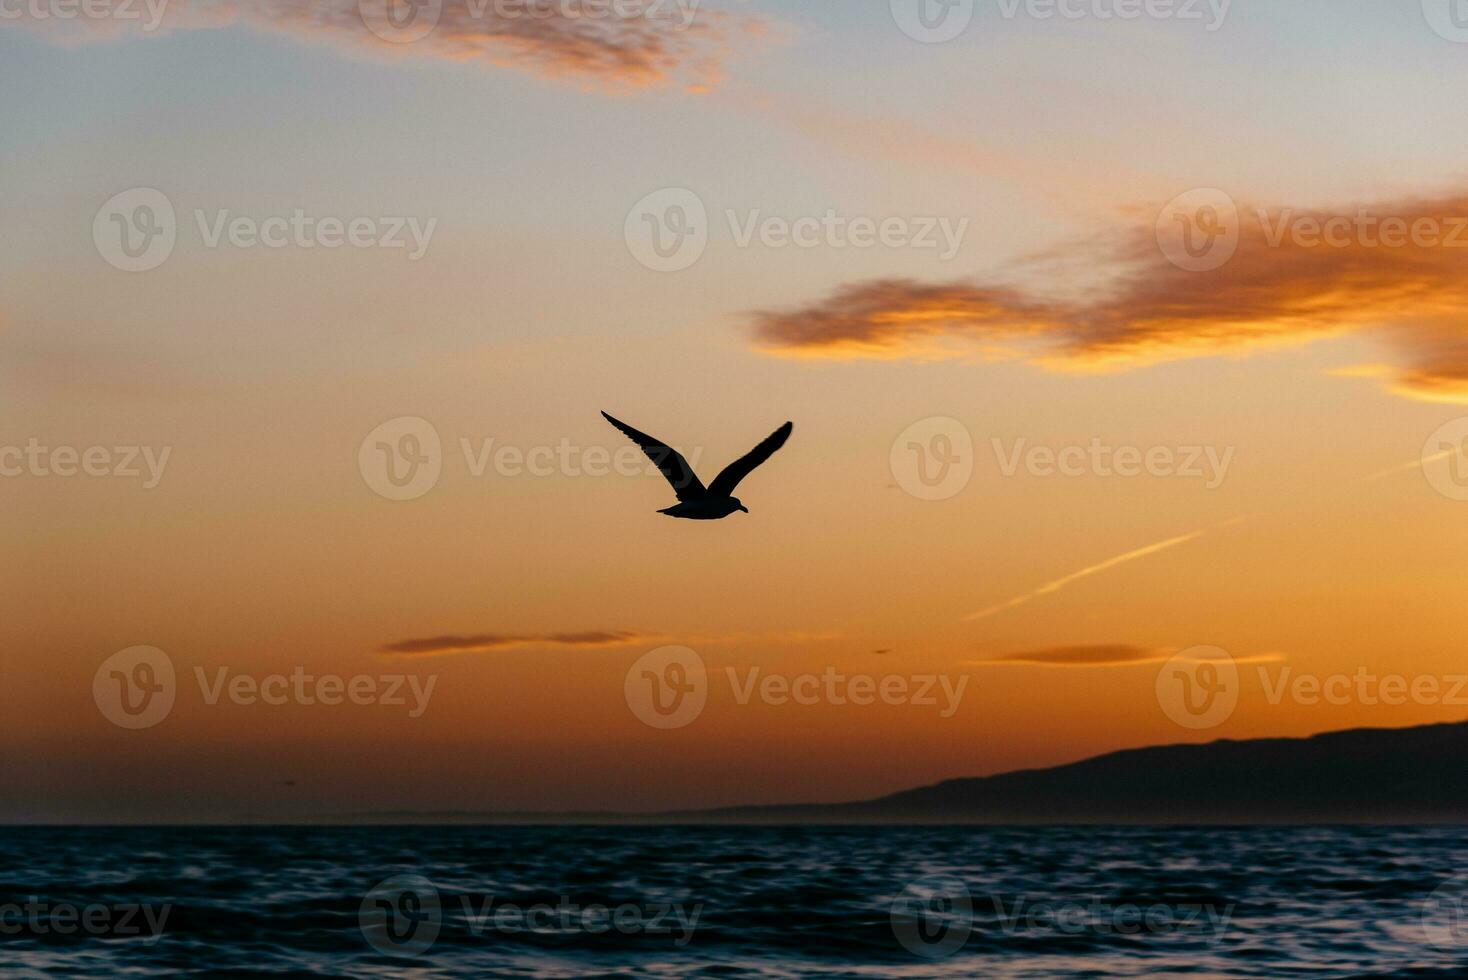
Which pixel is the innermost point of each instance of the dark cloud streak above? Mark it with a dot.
(488, 642)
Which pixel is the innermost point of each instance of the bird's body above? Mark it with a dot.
(695, 501)
(704, 510)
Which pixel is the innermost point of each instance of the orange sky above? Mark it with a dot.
(1313, 378)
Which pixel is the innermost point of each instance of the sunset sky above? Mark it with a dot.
(1318, 370)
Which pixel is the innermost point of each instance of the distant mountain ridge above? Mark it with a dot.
(1361, 776)
(1365, 775)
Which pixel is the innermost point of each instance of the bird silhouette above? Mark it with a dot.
(695, 501)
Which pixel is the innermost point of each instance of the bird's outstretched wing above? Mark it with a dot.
(726, 481)
(667, 459)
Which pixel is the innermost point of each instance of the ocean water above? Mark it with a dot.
(428, 902)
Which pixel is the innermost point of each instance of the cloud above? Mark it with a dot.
(625, 45)
(1279, 287)
(436, 646)
(1100, 655)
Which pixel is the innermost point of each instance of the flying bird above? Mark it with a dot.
(695, 501)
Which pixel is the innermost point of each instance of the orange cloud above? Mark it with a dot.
(1099, 655)
(434, 646)
(623, 45)
(1285, 283)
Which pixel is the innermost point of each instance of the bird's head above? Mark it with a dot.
(738, 505)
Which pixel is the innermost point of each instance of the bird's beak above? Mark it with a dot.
(744, 508)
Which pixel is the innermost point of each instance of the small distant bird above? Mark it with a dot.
(695, 501)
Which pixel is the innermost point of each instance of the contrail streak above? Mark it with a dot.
(1102, 566)
(1416, 464)
(1152, 549)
